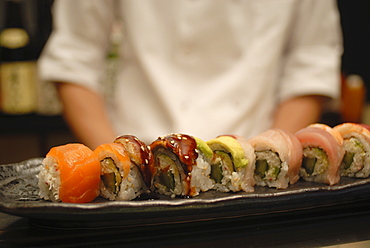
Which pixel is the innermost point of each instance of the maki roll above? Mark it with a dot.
(120, 179)
(69, 173)
(322, 153)
(181, 165)
(278, 158)
(233, 164)
(356, 143)
(140, 156)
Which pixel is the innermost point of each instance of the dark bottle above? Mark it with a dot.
(19, 51)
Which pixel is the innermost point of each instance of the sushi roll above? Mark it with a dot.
(121, 180)
(278, 158)
(69, 173)
(322, 153)
(140, 155)
(356, 143)
(182, 165)
(233, 164)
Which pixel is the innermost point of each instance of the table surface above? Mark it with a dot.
(350, 229)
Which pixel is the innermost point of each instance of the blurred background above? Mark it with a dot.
(30, 112)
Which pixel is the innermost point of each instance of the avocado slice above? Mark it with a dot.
(204, 148)
(231, 146)
(226, 159)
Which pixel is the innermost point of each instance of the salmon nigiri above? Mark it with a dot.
(120, 179)
(322, 153)
(278, 158)
(356, 143)
(70, 173)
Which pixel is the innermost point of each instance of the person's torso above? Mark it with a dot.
(201, 67)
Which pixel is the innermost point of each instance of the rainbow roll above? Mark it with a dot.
(356, 144)
(322, 153)
(233, 164)
(278, 158)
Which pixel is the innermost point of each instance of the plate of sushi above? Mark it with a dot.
(179, 177)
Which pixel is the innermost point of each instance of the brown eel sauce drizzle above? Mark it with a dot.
(184, 147)
(140, 154)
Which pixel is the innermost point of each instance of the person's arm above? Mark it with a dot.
(76, 53)
(85, 113)
(311, 69)
(298, 112)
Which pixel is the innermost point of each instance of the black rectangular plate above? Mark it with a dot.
(19, 196)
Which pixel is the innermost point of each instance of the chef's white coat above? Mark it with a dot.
(202, 67)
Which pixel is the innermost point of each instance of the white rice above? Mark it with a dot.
(49, 180)
(200, 176)
(224, 186)
(320, 172)
(270, 180)
(358, 167)
(231, 180)
(236, 181)
(106, 193)
(131, 187)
